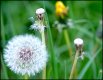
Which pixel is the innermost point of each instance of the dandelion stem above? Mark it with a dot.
(50, 47)
(74, 64)
(65, 69)
(43, 37)
(25, 76)
(67, 41)
(44, 73)
(43, 41)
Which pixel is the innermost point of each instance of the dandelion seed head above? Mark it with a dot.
(25, 54)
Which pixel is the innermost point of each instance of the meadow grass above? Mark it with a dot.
(14, 21)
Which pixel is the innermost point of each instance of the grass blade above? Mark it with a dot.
(3, 44)
(82, 73)
(50, 47)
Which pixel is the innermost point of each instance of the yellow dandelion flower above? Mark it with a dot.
(61, 9)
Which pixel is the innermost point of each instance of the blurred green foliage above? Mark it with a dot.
(15, 21)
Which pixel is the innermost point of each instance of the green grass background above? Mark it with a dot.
(15, 21)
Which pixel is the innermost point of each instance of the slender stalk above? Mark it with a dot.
(3, 44)
(67, 41)
(44, 73)
(51, 48)
(43, 37)
(43, 41)
(26, 76)
(2, 31)
(74, 64)
(65, 69)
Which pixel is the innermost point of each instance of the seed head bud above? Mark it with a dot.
(79, 43)
(40, 13)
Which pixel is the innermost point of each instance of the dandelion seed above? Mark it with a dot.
(25, 54)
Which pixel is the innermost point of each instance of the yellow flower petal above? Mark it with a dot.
(61, 9)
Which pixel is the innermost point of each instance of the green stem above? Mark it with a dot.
(43, 37)
(67, 41)
(74, 64)
(2, 31)
(26, 76)
(65, 70)
(51, 48)
(5, 73)
(43, 41)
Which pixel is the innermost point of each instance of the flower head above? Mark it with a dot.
(25, 54)
(61, 9)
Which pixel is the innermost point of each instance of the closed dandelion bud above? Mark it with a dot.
(25, 54)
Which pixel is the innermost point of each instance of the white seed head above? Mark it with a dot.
(40, 11)
(78, 42)
(25, 54)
